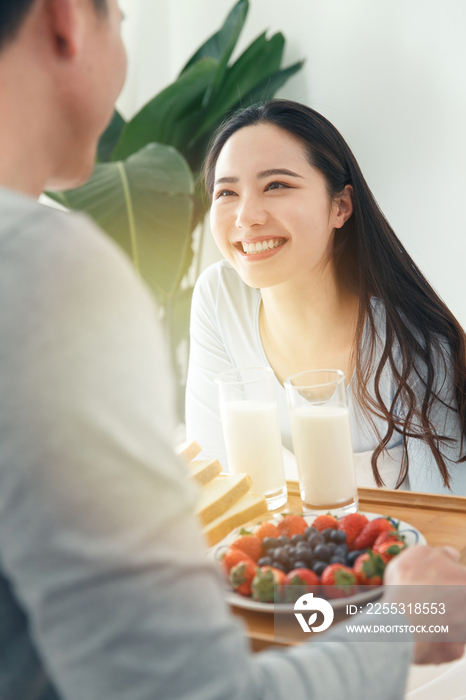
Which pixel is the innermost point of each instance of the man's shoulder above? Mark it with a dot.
(35, 236)
(23, 216)
(18, 213)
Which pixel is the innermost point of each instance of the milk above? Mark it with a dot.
(252, 436)
(324, 454)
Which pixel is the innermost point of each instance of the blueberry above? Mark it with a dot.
(310, 531)
(352, 556)
(281, 555)
(338, 536)
(300, 565)
(270, 542)
(283, 540)
(265, 561)
(306, 556)
(322, 552)
(327, 533)
(288, 546)
(302, 546)
(342, 549)
(297, 538)
(315, 539)
(277, 565)
(319, 567)
(338, 559)
(331, 546)
(273, 553)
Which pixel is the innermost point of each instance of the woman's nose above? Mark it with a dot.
(250, 213)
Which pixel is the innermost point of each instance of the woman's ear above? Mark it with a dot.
(343, 206)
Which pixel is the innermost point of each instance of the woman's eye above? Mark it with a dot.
(276, 185)
(223, 193)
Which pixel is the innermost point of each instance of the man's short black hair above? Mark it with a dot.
(13, 12)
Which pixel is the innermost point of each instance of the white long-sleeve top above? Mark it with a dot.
(225, 334)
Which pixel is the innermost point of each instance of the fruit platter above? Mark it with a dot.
(342, 560)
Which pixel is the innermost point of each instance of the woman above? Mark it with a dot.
(314, 277)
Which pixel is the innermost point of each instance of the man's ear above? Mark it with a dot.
(343, 206)
(64, 25)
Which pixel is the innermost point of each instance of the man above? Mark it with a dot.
(105, 591)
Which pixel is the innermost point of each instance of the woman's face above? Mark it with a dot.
(271, 214)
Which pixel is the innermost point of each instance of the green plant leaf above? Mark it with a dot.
(156, 120)
(145, 205)
(196, 148)
(57, 197)
(258, 62)
(262, 58)
(266, 89)
(219, 43)
(232, 28)
(110, 137)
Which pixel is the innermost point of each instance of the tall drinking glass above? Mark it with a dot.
(321, 433)
(248, 408)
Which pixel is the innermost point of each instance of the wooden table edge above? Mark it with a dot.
(411, 499)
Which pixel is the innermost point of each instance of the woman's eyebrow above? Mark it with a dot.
(262, 174)
(277, 171)
(226, 179)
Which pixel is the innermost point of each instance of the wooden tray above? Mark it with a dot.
(441, 519)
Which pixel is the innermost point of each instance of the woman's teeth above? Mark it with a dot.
(252, 248)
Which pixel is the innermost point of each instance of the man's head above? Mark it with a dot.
(62, 66)
(12, 13)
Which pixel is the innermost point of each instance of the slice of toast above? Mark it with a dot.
(248, 507)
(204, 470)
(220, 494)
(188, 450)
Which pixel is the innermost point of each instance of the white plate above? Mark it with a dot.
(412, 537)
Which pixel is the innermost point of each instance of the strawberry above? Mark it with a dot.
(371, 531)
(301, 577)
(323, 522)
(264, 582)
(369, 568)
(352, 525)
(233, 557)
(266, 530)
(340, 581)
(389, 549)
(242, 575)
(249, 544)
(292, 525)
(299, 581)
(389, 536)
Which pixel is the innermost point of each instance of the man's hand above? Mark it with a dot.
(430, 567)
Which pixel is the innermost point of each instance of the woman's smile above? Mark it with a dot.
(259, 248)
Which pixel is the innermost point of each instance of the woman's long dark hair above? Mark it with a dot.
(424, 343)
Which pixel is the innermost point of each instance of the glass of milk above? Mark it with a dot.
(249, 413)
(321, 433)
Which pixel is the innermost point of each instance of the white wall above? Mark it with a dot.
(147, 35)
(390, 74)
